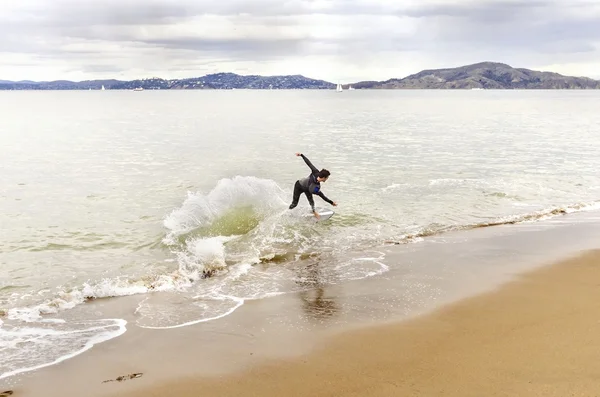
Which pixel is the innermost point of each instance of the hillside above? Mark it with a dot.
(211, 81)
(487, 75)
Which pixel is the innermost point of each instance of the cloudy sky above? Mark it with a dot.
(336, 40)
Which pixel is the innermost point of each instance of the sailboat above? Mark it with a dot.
(338, 88)
(102, 88)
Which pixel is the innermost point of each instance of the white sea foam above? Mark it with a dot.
(149, 312)
(25, 349)
(233, 257)
(202, 254)
(199, 209)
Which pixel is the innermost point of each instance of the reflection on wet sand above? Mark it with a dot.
(316, 305)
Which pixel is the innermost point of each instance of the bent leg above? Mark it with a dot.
(297, 192)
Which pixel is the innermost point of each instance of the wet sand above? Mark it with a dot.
(423, 328)
(536, 336)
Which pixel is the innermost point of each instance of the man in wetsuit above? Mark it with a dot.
(311, 185)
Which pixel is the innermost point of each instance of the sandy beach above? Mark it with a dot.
(536, 336)
(514, 312)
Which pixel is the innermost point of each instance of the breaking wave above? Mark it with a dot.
(242, 222)
(437, 229)
(216, 241)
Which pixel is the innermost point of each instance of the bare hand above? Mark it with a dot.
(298, 154)
(334, 204)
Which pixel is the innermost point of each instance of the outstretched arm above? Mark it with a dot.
(307, 161)
(320, 194)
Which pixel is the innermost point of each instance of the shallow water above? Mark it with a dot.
(107, 194)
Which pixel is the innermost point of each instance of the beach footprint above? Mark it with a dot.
(6, 393)
(121, 378)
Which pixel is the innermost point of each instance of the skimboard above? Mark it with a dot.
(324, 213)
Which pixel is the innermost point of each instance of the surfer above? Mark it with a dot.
(311, 185)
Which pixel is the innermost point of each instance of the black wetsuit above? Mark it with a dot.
(308, 186)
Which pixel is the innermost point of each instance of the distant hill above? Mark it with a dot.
(211, 81)
(17, 82)
(487, 75)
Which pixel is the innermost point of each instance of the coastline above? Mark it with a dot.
(481, 75)
(289, 331)
(537, 335)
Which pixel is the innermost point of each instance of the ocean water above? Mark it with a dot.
(180, 198)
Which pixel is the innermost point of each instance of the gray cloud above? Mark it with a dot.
(205, 33)
(248, 47)
(481, 11)
(148, 12)
(544, 32)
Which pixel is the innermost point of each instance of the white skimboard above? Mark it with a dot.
(324, 214)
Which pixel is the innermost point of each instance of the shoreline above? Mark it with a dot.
(288, 328)
(536, 335)
(382, 89)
